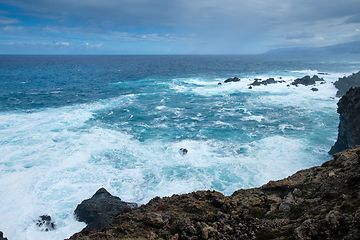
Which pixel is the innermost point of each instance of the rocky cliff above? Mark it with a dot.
(349, 126)
(318, 203)
(345, 83)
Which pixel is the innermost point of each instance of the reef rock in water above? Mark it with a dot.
(100, 209)
(349, 126)
(318, 203)
(345, 83)
(307, 80)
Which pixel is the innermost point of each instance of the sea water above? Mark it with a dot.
(72, 124)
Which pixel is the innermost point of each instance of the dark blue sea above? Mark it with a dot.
(72, 124)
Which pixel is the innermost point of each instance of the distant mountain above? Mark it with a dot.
(344, 48)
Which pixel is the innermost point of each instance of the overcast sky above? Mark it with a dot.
(174, 26)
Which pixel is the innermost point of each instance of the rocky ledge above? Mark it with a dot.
(349, 126)
(322, 202)
(345, 83)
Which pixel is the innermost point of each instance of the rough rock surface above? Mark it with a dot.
(234, 79)
(322, 202)
(349, 126)
(258, 82)
(45, 223)
(307, 80)
(345, 83)
(2, 236)
(100, 209)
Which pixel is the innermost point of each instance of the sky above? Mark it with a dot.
(174, 26)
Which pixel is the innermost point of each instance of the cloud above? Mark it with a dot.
(300, 34)
(226, 26)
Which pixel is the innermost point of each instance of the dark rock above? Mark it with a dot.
(321, 202)
(258, 82)
(250, 87)
(183, 151)
(157, 219)
(307, 80)
(45, 223)
(219, 83)
(314, 89)
(345, 83)
(2, 236)
(234, 79)
(100, 209)
(349, 126)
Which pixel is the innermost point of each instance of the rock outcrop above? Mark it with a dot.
(349, 126)
(345, 83)
(234, 79)
(307, 80)
(100, 209)
(45, 223)
(2, 236)
(258, 82)
(322, 202)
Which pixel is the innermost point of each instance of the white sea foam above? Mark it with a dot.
(52, 159)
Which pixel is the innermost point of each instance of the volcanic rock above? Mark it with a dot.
(307, 80)
(258, 82)
(349, 126)
(322, 202)
(345, 83)
(100, 209)
(234, 79)
(45, 223)
(2, 236)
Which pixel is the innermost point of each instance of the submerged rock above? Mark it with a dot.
(45, 223)
(345, 83)
(183, 151)
(307, 80)
(349, 126)
(100, 209)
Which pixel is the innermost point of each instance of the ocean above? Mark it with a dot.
(72, 124)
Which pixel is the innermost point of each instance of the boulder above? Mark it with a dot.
(307, 80)
(345, 83)
(349, 126)
(234, 79)
(100, 209)
(2, 236)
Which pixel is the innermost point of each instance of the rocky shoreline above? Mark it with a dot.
(322, 202)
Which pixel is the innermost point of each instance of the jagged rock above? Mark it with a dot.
(307, 80)
(234, 79)
(100, 209)
(345, 83)
(258, 82)
(2, 236)
(157, 219)
(45, 223)
(329, 208)
(349, 126)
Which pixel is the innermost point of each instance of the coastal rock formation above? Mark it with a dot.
(349, 126)
(234, 79)
(258, 82)
(2, 236)
(45, 223)
(345, 83)
(100, 209)
(307, 80)
(322, 202)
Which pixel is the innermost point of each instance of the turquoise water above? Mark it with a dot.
(72, 124)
